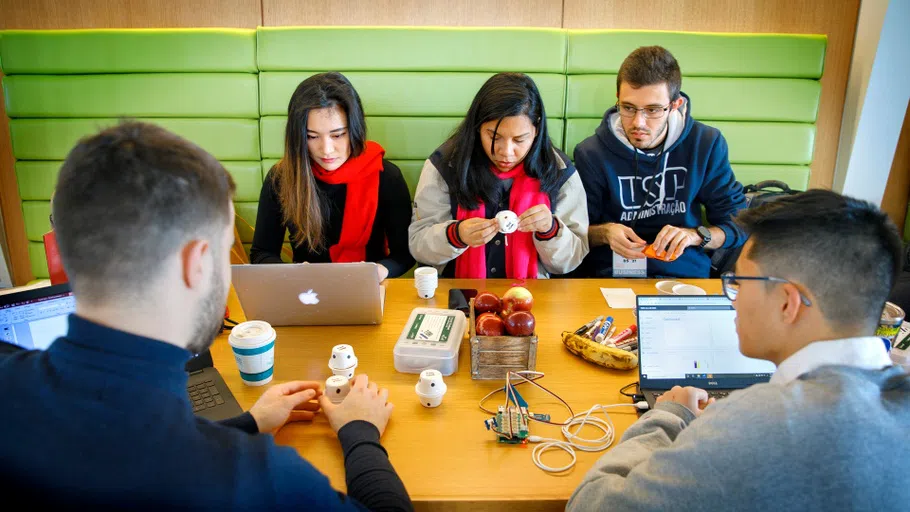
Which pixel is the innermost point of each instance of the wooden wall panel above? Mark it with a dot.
(897, 191)
(50, 14)
(452, 13)
(13, 224)
(836, 19)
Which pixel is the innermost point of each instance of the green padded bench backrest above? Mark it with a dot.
(63, 85)
(415, 83)
(761, 90)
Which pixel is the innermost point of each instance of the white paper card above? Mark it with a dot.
(619, 298)
(624, 267)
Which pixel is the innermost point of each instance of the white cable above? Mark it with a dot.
(574, 442)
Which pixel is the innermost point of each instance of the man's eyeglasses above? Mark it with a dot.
(650, 112)
(731, 285)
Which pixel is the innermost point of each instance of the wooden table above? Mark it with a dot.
(445, 456)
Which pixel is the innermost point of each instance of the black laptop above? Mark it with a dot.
(33, 319)
(691, 340)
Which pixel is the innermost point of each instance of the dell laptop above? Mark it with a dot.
(690, 340)
(32, 319)
(285, 294)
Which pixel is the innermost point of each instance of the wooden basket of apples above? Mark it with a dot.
(502, 334)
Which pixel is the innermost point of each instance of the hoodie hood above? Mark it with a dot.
(611, 133)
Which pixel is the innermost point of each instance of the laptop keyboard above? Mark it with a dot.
(711, 394)
(204, 395)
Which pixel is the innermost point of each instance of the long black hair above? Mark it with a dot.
(503, 95)
(301, 203)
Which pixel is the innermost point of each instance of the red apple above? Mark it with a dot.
(489, 324)
(487, 302)
(516, 299)
(520, 323)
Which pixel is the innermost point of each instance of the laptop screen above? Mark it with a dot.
(691, 341)
(33, 319)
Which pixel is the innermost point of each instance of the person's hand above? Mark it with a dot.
(536, 219)
(477, 232)
(383, 272)
(364, 402)
(692, 398)
(624, 242)
(674, 240)
(286, 402)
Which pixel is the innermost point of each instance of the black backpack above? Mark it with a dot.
(763, 192)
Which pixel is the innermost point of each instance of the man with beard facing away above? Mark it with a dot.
(144, 220)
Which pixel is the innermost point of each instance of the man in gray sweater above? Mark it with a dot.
(831, 430)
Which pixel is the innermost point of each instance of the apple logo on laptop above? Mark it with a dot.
(308, 297)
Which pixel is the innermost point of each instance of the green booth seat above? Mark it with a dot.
(52, 139)
(181, 95)
(702, 53)
(37, 179)
(58, 52)
(495, 49)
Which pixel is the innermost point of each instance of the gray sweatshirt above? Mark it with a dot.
(836, 438)
(433, 215)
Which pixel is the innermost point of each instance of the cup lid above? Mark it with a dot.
(253, 332)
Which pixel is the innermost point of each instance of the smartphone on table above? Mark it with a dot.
(460, 298)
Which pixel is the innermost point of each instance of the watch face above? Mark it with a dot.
(705, 233)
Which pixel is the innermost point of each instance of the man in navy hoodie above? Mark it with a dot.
(648, 171)
(102, 419)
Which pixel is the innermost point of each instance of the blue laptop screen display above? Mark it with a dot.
(34, 323)
(691, 340)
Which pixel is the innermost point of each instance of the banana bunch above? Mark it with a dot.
(601, 355)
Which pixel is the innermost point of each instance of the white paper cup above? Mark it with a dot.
(688, 289)
(342, 357)
(666, 287)
(253, 344)
(336, 388)
(426, 277)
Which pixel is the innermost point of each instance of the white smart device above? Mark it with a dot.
(430, 340)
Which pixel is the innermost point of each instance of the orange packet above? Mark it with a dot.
(650, 252)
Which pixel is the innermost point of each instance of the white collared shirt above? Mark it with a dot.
(867, 352)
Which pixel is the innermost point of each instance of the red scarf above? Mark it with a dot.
(361, 175)
(521, 255)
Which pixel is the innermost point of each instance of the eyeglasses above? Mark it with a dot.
(731, 285)
(651, 112)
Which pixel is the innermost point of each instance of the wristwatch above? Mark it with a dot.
(705, 235)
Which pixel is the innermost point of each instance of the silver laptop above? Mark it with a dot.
(310, 293)
(690, 340)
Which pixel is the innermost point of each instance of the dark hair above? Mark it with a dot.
(846, 251)
(503, 95)
(130, 196)
(650, 65)
(301, 203)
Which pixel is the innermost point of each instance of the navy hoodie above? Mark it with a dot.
(673, 185)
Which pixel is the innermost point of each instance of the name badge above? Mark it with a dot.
(624, 267)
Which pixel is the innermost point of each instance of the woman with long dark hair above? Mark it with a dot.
(333, 192)
(500, 158)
